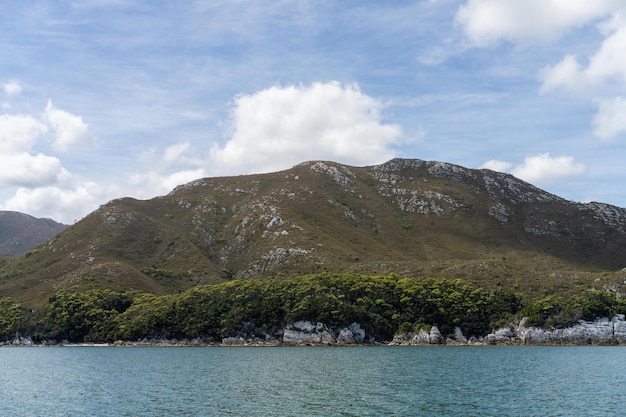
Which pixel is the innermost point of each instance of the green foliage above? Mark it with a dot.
(255, 308)
(559, 311)
(84, 316)
(382, 305)
(11, 316)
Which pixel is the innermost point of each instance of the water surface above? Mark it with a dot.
(313, 381)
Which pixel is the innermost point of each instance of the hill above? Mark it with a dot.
(20, 232)
(409, 217)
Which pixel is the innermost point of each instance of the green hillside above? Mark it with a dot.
(408, 217)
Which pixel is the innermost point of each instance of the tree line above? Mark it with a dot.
(382, 305)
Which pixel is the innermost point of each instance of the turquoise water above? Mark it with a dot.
(313, 381)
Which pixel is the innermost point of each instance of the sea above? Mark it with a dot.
(313, 381)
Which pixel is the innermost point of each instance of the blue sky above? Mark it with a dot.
(101, 99)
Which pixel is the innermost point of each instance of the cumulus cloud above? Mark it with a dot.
(495, 165)
(27, 170)
(541, 169)
(566, 74)
(487, 22)
(39, 184)
(610, 120)
(279, 127)
(607, 64)
(19, 132)
(149, 184)
(65, 203)
(11, 88)
(69, 128)
(19, 165)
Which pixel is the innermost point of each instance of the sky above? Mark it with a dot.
(103, 99)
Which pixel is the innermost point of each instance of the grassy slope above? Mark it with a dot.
(326, 217)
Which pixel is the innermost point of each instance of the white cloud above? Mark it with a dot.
(610, 60)
(607, 64)
(65, 203)
(27, 170)
(19, 165)
(19, 132)
(149, 184)
(40, 185)
(487, 22)
(543, 169)
(11, 88)
(495, 165)
(279, 127)
(565, 74)
(610, 120)
(69, 128)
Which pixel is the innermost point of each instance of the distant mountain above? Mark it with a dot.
(20, 232)
(409, 217)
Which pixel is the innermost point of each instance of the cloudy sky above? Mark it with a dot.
(101, 99)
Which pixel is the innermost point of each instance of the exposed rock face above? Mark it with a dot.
(305, 332)
(459, 337)
(502, 336)
(352, 334)
(302, 332)
(433, 337)
(599, 331)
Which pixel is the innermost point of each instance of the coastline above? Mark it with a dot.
(600, 332)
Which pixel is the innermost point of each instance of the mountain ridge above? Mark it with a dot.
(405, 216)
(20, 232)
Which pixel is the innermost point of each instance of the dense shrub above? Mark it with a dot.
(382, 305)
(558, 311)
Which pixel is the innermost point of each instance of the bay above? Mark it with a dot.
(313, 381)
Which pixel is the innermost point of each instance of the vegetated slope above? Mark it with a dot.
(409, 217)
(20, 232)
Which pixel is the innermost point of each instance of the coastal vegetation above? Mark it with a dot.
(382, 305)
(403, 248)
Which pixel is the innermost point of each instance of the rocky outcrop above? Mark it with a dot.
(602, 331)
(431, 337)
(599, 331)
(305, 332)
(352, 334)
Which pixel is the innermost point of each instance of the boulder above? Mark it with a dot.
(505, 334)
(459, 336)
(435, 337)
(303, 332)
(421, 338)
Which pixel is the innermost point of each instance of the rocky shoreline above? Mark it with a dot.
(602, 331)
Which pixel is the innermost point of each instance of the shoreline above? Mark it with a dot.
(600, 332)
(186, 343)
